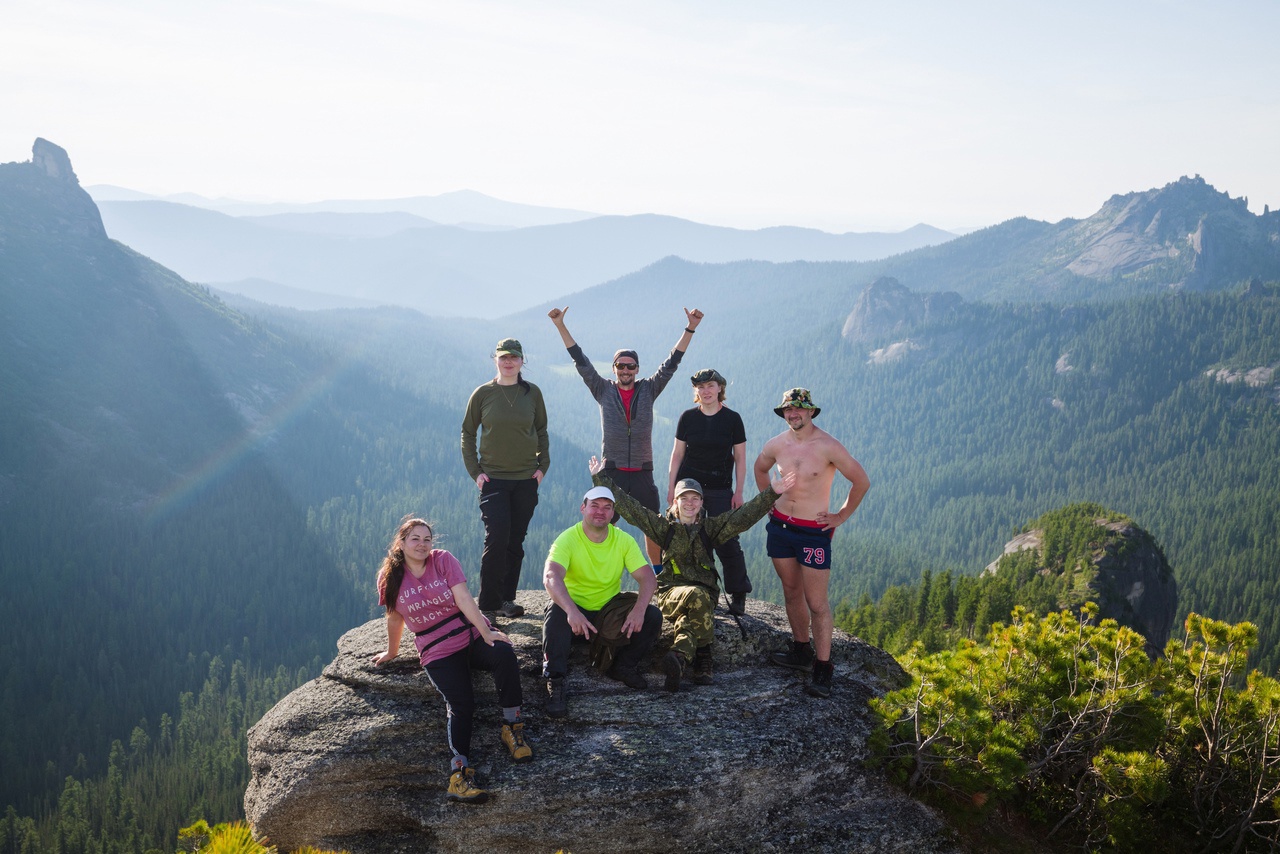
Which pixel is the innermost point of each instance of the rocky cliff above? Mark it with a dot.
(356, 759)
(34, 208)
(887, 308)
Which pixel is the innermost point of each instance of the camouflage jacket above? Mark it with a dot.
(685, 558)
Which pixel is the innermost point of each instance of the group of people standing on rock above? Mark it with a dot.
(505, 450)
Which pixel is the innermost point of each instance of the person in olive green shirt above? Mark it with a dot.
(506, 452)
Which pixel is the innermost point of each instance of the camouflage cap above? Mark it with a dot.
(708, 375)
(797, 398)
(509, 347)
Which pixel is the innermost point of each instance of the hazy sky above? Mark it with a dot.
(842, 115)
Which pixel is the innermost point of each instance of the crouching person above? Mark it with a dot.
(688, 585)
(583, 577)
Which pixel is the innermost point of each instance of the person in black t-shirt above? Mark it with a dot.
(711, 448)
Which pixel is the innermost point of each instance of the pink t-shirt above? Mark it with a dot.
(427, 606)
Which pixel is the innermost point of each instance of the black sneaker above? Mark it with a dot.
(556, 706)
(628, 675)
(702, 674)
(738, 604)
(510, 609)
(799, 657)
(673, 666)
(820, 683)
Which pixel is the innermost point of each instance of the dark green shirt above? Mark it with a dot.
(511, 422)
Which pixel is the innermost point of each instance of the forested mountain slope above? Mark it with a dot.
(158, 455)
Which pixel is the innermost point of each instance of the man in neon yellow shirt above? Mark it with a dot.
(583, 577)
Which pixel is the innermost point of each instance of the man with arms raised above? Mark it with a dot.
(583, 577)
(626, 412)
(800, 528)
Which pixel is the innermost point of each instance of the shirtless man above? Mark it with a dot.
(800, 528)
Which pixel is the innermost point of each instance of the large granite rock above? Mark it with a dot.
(356, 759)
(886, 308)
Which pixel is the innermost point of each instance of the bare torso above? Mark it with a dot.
(813, 459)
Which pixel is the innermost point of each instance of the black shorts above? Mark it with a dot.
(809, 547)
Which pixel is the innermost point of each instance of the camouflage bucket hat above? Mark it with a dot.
(509, 347)
(708, 375)
(797, 398)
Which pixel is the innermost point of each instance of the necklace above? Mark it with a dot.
(511, 401)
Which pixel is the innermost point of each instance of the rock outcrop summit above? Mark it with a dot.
(356, 759)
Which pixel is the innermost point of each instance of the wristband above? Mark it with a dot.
(687, 329)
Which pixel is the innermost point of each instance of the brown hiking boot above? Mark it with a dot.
(513, 738)
(702, 666)
(462, 788)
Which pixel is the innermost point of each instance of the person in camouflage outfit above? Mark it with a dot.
(688, 584)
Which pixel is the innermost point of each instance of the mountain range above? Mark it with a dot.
(465, 208)
(394, 258)
(181, 477)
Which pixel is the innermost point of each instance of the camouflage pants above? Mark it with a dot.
(690, 608)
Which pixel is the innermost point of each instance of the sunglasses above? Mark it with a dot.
(625, 366)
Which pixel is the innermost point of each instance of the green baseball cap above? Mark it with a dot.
(509, 347)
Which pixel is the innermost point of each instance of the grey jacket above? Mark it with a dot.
(626, 443)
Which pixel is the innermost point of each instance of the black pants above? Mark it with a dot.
(452, 677)
(557, 637)
(638, 484)
(506, 506)
(733, 564)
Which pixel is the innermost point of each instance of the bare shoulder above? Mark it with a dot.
(831, 446)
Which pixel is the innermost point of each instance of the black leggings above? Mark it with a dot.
(452, 677)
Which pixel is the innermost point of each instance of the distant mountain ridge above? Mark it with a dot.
(450, 271)
(461, 207)
(1185, 235)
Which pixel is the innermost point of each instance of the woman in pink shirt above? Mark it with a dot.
(425, 589)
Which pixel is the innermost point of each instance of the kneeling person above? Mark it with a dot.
(583, 577)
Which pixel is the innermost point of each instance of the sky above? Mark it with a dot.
(844, 116)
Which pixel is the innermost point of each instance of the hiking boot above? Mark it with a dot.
(673, 666)
(491, 616)
(628, 675)
(556, 706)
(463, 789)
(509, 610)
(702, 666)
(799, 657)
(513, 738)
(820, 683)
(738, 604)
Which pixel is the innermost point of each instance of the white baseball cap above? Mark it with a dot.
(599, 492)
